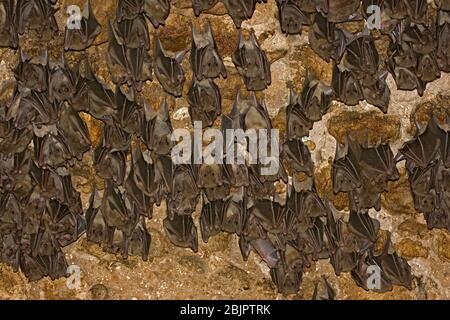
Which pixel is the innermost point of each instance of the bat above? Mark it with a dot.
(157, 11)
(263, 246)
(205, 59)
(252, 63)
(100, 99)
(346, 172)
(324, 38)
(184, 193)
(74, 132)
(286, 280)
(131, 66)
(35, 15)
(128, 115)
(361, 274)
(236, 213)
(79, 39)
(181, 231)
(8, 32)
(205, 101)
(200, 6)
(129, 9)
(363, 226)
(239, 10)
(396, 9)
(345, 85)
(297, 155)
(271, 215)
(168, 70)
(11, 216)
(376, 91)
(64, 226)
(324, 291)
(343, 10)
(291, 17)
(297, 123)
(422, 150)
(212, 218)
(132, 33)
(116, 213)
(110, 165)
(417, 11)
(156, 129)
(62, 81)
(138, 244)
(315, 98)
(361, 56)
(32, 73)
(443, 41)
(95, 224)
(396, 268)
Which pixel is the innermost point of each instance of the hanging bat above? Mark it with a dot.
(138, 244)
(138, 199)
(263, 246)
(79, 39)
(343, 10)
(129, 9)
(443, 40)
(361, 56)
(346, 173)
(62, 81)
(157, 11)
(32, 73)
(345, 85)
(147, 177)
(324, 291)
(361, 274)
(240, 10)
(252, 63)
(101, 103)
(236, 212)
(291, 17)
(270, 213)
(287, 281)
(417, 11)
(212, 217)
(168, 70)
(74, 132)
(65, 227)
(323, 38)
(396, 268)
(35, 15)
(205, 59)
(128, 115)
(205, 101)
(200, 6)
(128, 65)
(132, 33)
(297, 155)
(422, 150)
(8, 32)
(51, 151)
(184, 194)
(395, 9)
(156, 129)
(212, 179)
(115, 211)
(315, 98)
(363, 226)
(376, 91)
(406, 78)
(297, 123)
(181, 231)
(11, 213)
(95, 224)
(110, 165)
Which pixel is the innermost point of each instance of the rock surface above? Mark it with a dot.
(217, 270)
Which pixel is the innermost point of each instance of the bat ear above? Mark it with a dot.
(180, 56)
(241, 40)
(23, 56)
(164, 110)
(148, 112)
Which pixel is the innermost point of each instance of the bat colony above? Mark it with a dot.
(42, 135)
